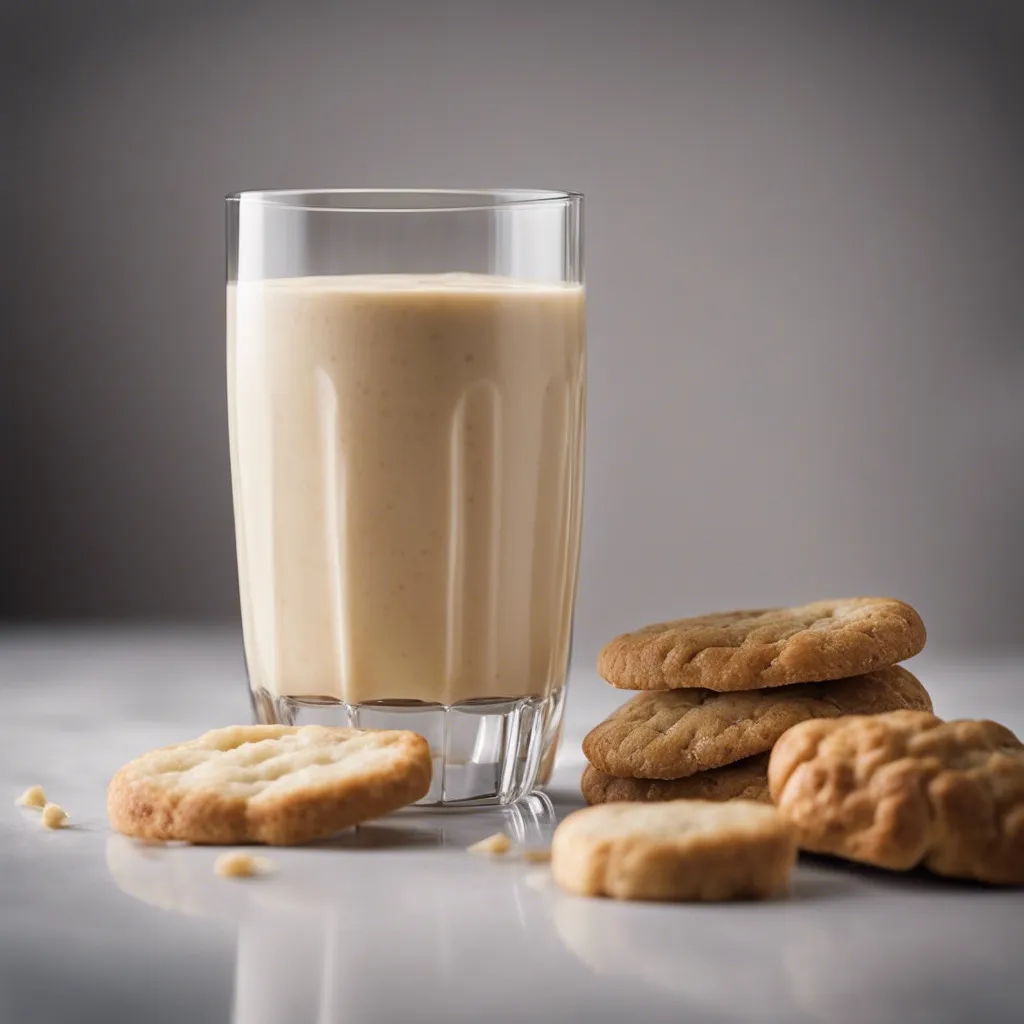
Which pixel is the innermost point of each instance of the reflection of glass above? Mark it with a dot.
(310, 946)
(406, 411)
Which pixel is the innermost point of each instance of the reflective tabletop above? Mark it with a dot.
(396, 921)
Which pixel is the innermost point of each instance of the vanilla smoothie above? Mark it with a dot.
(406, 456)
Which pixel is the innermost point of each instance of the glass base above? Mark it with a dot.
(485, 752)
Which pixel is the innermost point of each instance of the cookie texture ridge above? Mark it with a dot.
(671, 734)
(275, 784)
(750, 650)
(906, 789)
(744, 780)
(680, 850)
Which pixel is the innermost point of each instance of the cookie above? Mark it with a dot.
(675, 733)
(680, 850)
(749, 650)
(906, 789)
(744, 780)
(274, 784)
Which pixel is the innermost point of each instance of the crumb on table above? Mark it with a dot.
(54, 816)
(497, 844)
(239, 865)
(32, 797)
(537, 856)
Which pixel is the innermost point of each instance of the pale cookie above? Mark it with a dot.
(675, 733)
(273, 784)
(906, 789)
(744, 780)
(681, 850)
(748, 650)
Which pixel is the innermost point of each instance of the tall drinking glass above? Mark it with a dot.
(406, 410)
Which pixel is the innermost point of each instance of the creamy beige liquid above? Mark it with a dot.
(406, 456)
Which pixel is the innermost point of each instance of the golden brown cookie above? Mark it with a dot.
(273, 784)
(671, 734)
(749, 650)
(905, 789)
(744, 780)
(679, 850)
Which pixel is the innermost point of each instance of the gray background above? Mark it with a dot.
(805, 248)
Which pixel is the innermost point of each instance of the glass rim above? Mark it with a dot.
(500, 199)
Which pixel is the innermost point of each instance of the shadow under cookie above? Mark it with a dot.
(915, 878)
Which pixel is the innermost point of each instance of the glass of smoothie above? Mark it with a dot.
(406, 394)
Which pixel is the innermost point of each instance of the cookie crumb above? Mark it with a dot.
(240, 865)
(497, 844)
(54, 816)
(537, 856)
(32, 797)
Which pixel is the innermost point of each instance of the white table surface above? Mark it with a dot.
(395, 922)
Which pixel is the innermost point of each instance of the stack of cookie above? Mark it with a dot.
(719, 690)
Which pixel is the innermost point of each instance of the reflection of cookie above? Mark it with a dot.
(675, 733)
(616, 941)
(748, 650)
(744, 780)
(904, 789)
(273, 784)
(680, 850)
